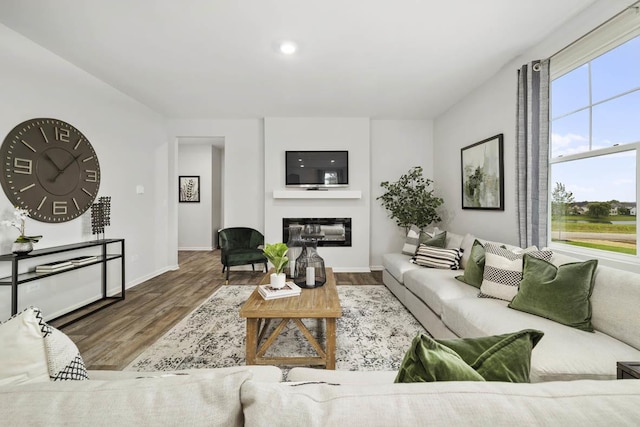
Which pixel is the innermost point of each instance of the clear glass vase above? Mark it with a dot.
(310, 271)
(295, 244)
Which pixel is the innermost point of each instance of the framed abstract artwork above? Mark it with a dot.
(482, 167)
(189, 189)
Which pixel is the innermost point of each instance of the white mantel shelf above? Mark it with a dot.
(317, 194)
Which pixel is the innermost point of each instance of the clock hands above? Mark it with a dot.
(60, 171)
(46, 156)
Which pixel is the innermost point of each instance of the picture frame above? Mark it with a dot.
(482, 172)
(189, 189)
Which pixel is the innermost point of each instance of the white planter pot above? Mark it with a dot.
(278, 280)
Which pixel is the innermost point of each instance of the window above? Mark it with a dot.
(595, 136)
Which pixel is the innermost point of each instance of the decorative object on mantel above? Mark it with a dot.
(295, 244)
(483, 174)
(310, 271)
(410, 201)
(100, 215)
(51, 170)
(23, 244)
(189, 189)
(276, 254)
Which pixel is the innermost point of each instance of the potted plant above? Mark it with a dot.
(23, 244)
(410, 201)
(276, 254)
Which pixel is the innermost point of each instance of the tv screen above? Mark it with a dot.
(317, 169)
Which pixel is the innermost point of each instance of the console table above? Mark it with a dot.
(17, 278)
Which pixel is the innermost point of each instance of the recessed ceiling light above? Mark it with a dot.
(288, 48)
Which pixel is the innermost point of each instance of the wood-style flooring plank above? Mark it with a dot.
(113, 337)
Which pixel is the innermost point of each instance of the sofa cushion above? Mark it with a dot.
(32, 351)
(266, 373)
(474, 268)
(465, 246)
(397, 265)
(563, 354)
(454, 240)
(557, 293)
(436, 240)
(441, 404)
(341, 377)
(427, 360)
(433, 257)
(433, 286)
(503, 270)
(208, 398)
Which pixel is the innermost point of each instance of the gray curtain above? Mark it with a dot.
(532, 149)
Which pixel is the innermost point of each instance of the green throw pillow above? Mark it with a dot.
(439, 240)
(557, 293)
(505, 357)
(428, 361)
(475, 266)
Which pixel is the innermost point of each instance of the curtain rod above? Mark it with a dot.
(635, 5)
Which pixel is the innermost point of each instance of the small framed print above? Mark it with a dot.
(483, 174)
(189, 189)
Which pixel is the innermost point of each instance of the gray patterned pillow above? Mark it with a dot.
(503, 270)
(413, 240)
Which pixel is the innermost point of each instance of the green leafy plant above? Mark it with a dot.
(276, 254)
(410, 201)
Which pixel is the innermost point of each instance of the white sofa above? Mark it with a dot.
(449, 308)
(254, 396)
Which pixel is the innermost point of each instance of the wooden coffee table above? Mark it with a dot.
(320, 303)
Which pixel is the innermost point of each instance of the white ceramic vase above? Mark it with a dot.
(278, 280)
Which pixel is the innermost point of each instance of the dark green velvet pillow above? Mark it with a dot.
(438, 240)
(428, 361)
(505, 357)
(475, 266)
(557, 293)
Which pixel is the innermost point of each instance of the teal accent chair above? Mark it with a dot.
(241, 246)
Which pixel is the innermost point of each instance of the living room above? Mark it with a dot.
(139, 136)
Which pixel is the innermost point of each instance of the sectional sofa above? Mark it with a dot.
(255, 396)
(450, 308)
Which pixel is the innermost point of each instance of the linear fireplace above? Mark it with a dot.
(326, 231)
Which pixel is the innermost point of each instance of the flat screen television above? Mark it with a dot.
(317, 169)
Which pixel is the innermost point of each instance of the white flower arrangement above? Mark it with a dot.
(19, 223)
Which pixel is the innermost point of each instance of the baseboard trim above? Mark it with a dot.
(196, 248)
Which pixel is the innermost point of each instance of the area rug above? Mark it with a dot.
(374, 332)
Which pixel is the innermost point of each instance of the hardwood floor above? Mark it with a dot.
(114, 336)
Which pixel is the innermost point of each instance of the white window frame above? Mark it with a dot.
(615, 32)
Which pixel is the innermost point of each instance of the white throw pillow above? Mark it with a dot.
(32, 351)
(503, 270)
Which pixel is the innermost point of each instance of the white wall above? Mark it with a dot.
(352, 134)
(396, 147)
(489, 110)
(130, 141)
(243, 168)
(195, 219)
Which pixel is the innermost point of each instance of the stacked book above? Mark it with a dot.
(290, 289)
(54, 266)
(82, 260)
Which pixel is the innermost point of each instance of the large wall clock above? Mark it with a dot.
(49, 168)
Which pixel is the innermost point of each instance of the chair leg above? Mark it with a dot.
(227, 282)
(266, 267)
(253, 267)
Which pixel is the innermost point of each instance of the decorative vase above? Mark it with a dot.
(278, 280)
(295, 244)
(22, 248)
(310, 271)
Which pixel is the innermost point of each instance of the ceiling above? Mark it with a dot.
(357, 58)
